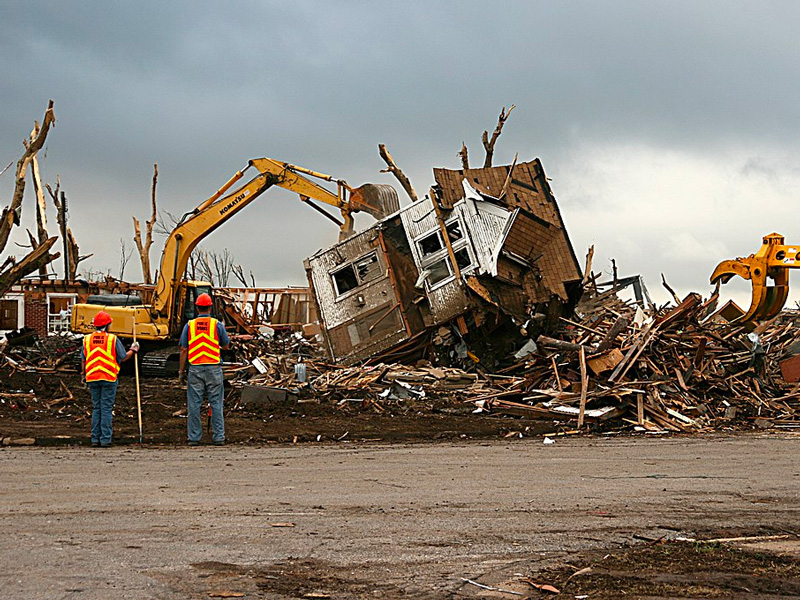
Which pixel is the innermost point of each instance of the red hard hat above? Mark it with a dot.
(101, 319)
(203, 300)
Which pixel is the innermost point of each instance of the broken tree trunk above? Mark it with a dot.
(74, 255)
(397, 172)
(33, 261)
(144, 247)
(61, 207)
(587, 270)
(489, 144)
(11, 214)
(41, 206)
(464, 154)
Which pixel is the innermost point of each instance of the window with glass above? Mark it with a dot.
(434, 257)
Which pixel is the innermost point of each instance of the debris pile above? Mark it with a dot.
(23, 350)
(612, 366)
(678, 370)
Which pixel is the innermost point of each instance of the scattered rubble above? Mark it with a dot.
(614, 365)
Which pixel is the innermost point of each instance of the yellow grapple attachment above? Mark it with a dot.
(772, 261)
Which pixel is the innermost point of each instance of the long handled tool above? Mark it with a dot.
(138, 392)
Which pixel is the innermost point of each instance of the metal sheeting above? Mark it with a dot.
(418, 218)
(486, 224)
(447, 302)
(337, 309)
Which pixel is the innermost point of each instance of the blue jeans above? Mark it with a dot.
(205, 380)
(104, 393)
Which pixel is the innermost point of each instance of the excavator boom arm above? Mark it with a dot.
(161, 319)
(220, 207)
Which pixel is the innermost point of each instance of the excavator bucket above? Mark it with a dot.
(378, 199)
(772, 261)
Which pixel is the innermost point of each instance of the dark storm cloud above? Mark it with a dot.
(200, 87)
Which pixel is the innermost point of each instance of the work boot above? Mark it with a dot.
(193, 443)
(219, 442)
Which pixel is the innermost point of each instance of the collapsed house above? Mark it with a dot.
(456, 276)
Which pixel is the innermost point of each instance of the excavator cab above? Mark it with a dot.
(192, 290)
(768, 270)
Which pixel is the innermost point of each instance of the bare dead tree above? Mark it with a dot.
(39, 256)
(223, 265)
(238, 272)
(191, 266)
(125, 254)
(216, 267)
(166, 222)
(96, 274)
(204, 268)
(11, 214)
(489, 144)
(397, 172)
(72, 256)
(75, 258)
(464, 154)
(41, 205)
(144, 247)
(200, 266)
(61, 218)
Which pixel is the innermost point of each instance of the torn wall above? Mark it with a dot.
(486, 246)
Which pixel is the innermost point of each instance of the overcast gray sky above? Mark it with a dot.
(669, 129)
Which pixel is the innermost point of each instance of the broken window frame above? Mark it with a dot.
(59, 322)
(442, 255)
(353, 266)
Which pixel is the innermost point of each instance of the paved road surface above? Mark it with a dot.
(369, 521)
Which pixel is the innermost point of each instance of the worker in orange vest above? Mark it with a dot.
(101, 355)
(201, 341)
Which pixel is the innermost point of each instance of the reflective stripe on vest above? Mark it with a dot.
(100, 349)
(203, 341)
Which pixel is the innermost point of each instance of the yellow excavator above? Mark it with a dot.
(772, 261)
(173, 296)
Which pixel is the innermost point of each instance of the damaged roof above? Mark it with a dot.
(527, 188)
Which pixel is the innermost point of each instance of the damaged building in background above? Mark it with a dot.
(468, 273)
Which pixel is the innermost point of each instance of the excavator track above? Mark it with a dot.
(163, 362)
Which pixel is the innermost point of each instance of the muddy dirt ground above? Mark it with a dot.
(316, 500)
(164, 416)
(593, 518)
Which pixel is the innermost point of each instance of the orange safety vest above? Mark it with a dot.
(203, 341)
(100, 349)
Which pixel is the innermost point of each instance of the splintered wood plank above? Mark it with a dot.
(584, 384)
